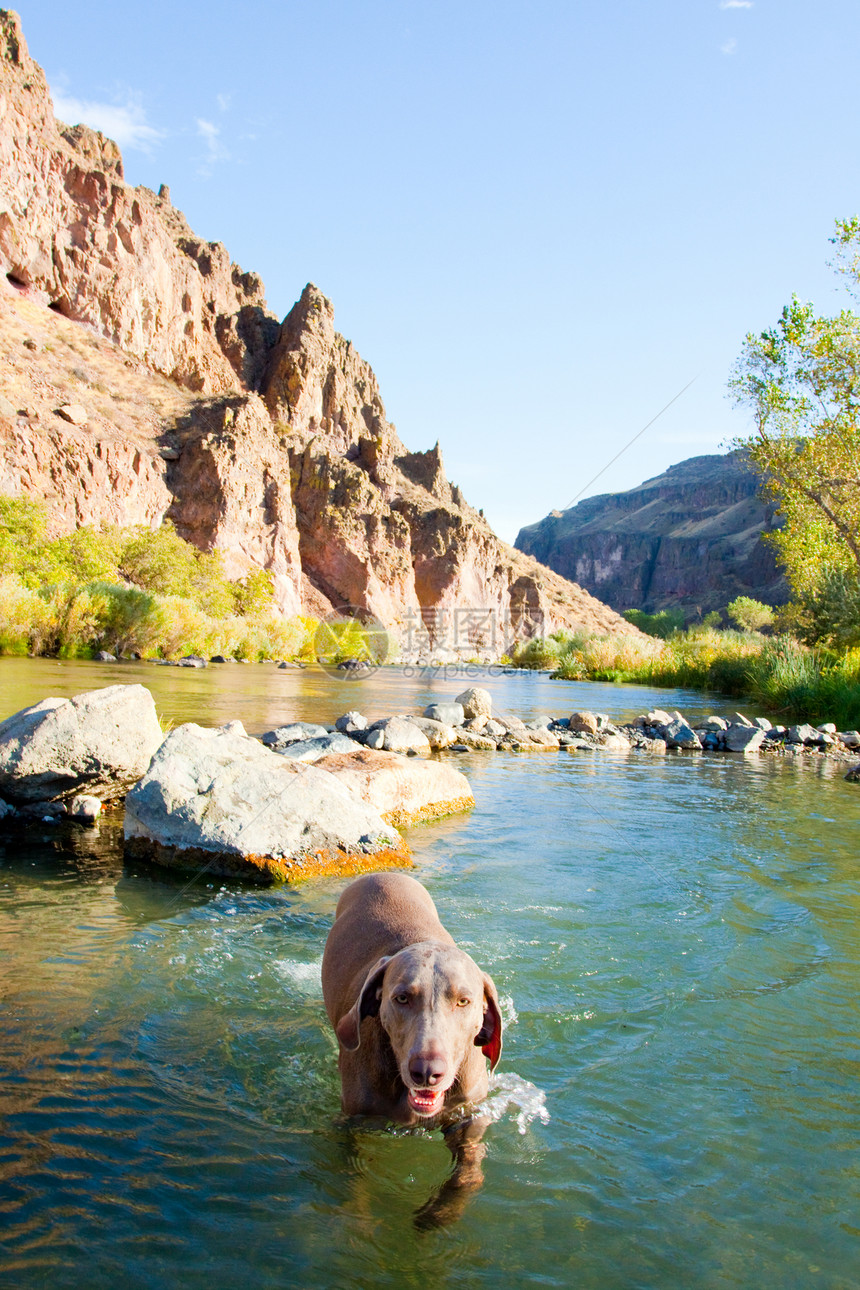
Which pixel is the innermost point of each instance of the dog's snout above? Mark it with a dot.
(427, 1069)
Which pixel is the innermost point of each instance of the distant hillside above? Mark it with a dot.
(691, 537)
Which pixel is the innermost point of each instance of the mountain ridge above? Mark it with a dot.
(691, 537)
(264, 440)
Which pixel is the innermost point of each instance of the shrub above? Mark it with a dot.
(750, 615)
(661, 624)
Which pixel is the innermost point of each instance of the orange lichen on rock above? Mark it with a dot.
(269, 870)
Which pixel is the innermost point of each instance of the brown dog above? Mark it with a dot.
(415, 1018)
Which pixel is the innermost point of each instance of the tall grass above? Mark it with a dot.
(779, 674)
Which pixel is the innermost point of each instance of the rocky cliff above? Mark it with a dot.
(691, 537)
(144, 378)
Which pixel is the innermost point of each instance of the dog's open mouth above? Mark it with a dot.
(426, 1101)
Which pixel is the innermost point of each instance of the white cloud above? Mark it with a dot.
(224, 101)
(736, 4)
(125, 123)
(215, 150)
(729, 47)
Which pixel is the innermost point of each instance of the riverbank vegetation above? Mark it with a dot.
(778, 673)
(133, 591)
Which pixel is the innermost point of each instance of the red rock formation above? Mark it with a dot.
(268, 443)
(119, 258)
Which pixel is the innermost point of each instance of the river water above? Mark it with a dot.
(676, 944)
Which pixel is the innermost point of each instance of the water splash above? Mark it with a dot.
(305, 978)
(517, 1098)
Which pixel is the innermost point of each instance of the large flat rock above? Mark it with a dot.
(403, 789)
(220, 800)
(101, 741)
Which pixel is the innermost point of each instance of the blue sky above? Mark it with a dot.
(537, 221)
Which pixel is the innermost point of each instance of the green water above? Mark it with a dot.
(676, 944)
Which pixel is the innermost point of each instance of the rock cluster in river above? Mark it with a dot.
(309, 799)
(468, 723)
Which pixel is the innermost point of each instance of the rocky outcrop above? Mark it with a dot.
(219, 800)
(119, 258)
(691, 537)
(267, 442)
(100, 741)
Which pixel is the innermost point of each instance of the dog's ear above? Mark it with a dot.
(348, 1029)
(489, 1037)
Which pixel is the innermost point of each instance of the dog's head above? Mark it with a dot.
(435, 1004)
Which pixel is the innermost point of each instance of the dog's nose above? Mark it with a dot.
(426, 1069)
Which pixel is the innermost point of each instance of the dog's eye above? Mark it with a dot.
(401, 998)
(463, 1003)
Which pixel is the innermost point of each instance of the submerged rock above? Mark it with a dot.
(219, 800)
(101, 740)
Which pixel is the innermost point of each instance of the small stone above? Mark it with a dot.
(374, 739)
(401, 735)
(475, 741)
(74, 413)
(476, 702)
(804, 734)
(713, 723)
(583, 723)
(679, 735)
(850, 738)
(85, 808)
(351, 723)
(311, 750)
(450, 714)
(828, 728)
(738, 719)
(292, 734)
(854, 774)
(438, 734)
(762, 723)
(104, 657)
(658, 718)
(615, 743)
(744, 739)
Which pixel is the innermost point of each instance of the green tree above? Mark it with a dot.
(750, 615)
(23, 524)
(254, 593)
(801, 382)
